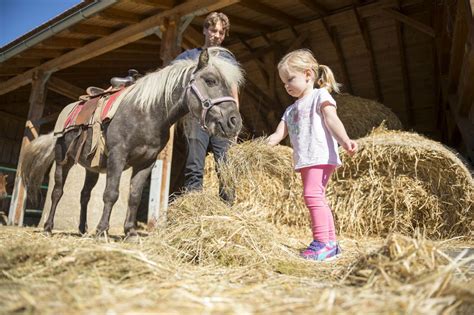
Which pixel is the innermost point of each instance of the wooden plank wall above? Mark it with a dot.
(11, 131)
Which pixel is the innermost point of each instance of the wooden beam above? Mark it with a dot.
(41, 53)
(364, 32)
(160, 187)
(37, 102)
(20, 62)
(120, 16)
(465, 127)
(269, 11)
(241, 22)
(12, 116)
(340, 56)
(46, 119)
(298, 41)
(261, 110)
(88, 29)
(118, 39)
(407, 92)
(253, 88)
(465, 90)
(458, 46)
(158, 4)
(372, 8)
(314, 6)
(428, 30)
(65, 88)
(250, 25)
(257, 53)
(62, 42)
(11, 71)
(261, 66)
(195, 37)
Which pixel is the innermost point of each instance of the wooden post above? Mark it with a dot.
(171, 35)
(37, 102)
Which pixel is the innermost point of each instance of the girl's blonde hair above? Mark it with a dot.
(303, 59)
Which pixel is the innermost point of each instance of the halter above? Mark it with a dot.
(206, 103)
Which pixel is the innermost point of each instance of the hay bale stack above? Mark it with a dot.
(263, 175)
(204, 230)
(361, 115)
(400, 182)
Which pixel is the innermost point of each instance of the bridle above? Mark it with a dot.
(206, 103)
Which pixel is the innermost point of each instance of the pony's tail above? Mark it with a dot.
(37, 158)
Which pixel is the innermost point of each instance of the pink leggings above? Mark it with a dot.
(315, 179)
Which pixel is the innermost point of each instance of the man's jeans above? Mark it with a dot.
(198, 140)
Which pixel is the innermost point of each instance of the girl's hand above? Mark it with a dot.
(280, 133)
(350, 146)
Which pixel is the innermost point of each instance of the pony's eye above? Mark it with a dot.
(210, 82)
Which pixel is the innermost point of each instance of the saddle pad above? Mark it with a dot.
(110, 107)
(63, 117)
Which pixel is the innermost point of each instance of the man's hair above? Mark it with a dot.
(214, 17)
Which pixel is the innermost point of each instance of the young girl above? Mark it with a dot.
(314, 128)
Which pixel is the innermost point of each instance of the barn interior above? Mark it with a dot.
(414, 56)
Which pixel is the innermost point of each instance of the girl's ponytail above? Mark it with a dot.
(326, 79)
(303, 59)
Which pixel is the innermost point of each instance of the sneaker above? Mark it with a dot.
(338, 248)
(321, 251)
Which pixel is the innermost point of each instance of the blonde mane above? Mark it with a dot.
(159, 85)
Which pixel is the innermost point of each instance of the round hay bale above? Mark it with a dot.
(401, 182)
(397, 182)
(360, 115)
(264, 175)
(204, 230)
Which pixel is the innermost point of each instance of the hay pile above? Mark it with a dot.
(400, 182)
(69, 274)
(397, 182)
(360, 115)
(205, 230)
(263, 175)
(411, 266)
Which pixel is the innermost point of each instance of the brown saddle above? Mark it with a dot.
(116, 83)
(87, 110)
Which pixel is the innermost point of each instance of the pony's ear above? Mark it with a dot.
(203, 59)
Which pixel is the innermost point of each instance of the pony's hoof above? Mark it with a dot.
(132, 239)
(83, 231)
(47, 233)
(102, 236)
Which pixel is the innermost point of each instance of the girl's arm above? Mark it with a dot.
(280, 133)
(337, 129)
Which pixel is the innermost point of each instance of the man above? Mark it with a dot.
(215, 29)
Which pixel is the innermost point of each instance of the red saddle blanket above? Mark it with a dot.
(83, 112)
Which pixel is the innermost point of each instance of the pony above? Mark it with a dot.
(138, 132)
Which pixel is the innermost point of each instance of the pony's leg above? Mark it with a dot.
(139, 177)
(89, 184)
(60, 175)
(115, 166)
